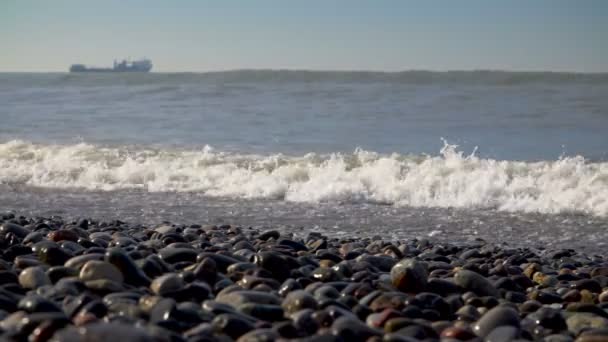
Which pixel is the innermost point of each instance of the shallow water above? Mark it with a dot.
(581, 232)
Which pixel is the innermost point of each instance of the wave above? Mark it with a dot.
(485, 77)
(450, 179)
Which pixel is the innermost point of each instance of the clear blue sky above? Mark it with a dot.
(200, 35)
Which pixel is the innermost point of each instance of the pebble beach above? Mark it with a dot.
(72, 280)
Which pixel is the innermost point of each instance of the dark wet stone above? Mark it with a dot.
(298, 300)
(274, 234)
(264, 312)
(38, 325)
(93, 308)
(119, 297)
(397, 323)
(72, 304)
(239, 267)
(8, 277)
(323, 274)
(329, 256)
(507, 284)
(237, 298)
(122, 242)
(377, 320)
(15, 251)
(103, 286)
(505, 333)
(216, 308)
(167, 283)
(259, 335)
(523, 281)
(393, 300)
(458, 333)
(303, 320)
(286, 330)
(232, 325)
(288, 286)
(34, 303)
(383, 263)
(78, 261)
(549, 318)
(475, 282)
(351, 329)
(584, 307)
(414, 331)
(153, 266)
(569, 295)
(545, 297)
(63, 235)
(274, 263)
(50, 253)
(515, 297)
(132, 274)
(46, 329)
(222, 261)
(174, 255)
(496, 317)
(442, 287)
(103, 332)
(206, 270)
(250, 282)
(162, 309)
(58, 272)
(588, 284)
(409, 275)
(17, 230)
(296, 246)
(83, 223)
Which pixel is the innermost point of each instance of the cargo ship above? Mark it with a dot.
(142, 65)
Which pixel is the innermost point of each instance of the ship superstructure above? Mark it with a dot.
(142, 65)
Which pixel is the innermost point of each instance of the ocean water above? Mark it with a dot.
(518, 158)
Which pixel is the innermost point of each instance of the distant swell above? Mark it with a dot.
(172, 81)
(448, 180)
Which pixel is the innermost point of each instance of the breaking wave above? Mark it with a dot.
(451, 179)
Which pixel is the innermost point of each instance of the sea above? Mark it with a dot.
(515, 158)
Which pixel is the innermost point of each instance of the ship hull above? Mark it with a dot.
(124, 66)
(107, 71)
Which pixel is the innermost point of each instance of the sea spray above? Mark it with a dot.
(449, 179)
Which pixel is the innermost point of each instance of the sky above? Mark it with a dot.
(387, 35)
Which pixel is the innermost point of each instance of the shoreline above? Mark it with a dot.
(457, 225)
(75, 280)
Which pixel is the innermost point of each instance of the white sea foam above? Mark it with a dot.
(451, 179)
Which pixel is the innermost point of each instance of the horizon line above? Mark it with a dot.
(436, 71)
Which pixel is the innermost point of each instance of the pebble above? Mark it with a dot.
(167, 283)
(33, 278)
(581, 321)
(100, 270)
(298, 300)
(409, 275)
(494, 318)
(475, 282)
